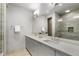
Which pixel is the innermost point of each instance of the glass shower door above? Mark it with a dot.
(0, 28)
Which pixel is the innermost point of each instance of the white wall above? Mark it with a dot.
(57, 23)
(17, 16)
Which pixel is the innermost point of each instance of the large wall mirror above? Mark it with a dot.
(67, 26)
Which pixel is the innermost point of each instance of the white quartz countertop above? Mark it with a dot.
(60, 45)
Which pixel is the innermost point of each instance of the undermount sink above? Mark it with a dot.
(51, 41)
(39, 36)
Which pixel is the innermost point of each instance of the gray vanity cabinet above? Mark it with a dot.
(31, 46)
(38, 49)
(45, 50)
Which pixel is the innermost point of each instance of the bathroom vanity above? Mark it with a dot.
(46, 47)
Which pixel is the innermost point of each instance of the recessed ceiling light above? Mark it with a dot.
(67, 11)
(76, 16)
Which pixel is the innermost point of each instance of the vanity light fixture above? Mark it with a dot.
(50, 4)
(58, 4)
(36, 12)
(67, 11)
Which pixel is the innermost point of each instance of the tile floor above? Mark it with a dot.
(19, 53)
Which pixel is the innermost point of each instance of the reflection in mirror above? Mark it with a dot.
(49, 26)
(67, 26)
(70, 29)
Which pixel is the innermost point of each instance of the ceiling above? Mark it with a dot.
(44, 8)
(30, 6)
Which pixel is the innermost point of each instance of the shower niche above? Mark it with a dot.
(70, 29)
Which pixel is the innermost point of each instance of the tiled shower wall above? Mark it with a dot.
(69, 21)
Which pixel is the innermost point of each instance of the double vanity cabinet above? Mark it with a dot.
(37, 48)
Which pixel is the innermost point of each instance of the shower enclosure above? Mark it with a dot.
(1, 29)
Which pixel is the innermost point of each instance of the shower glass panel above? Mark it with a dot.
(0, 28)
(67, 26)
